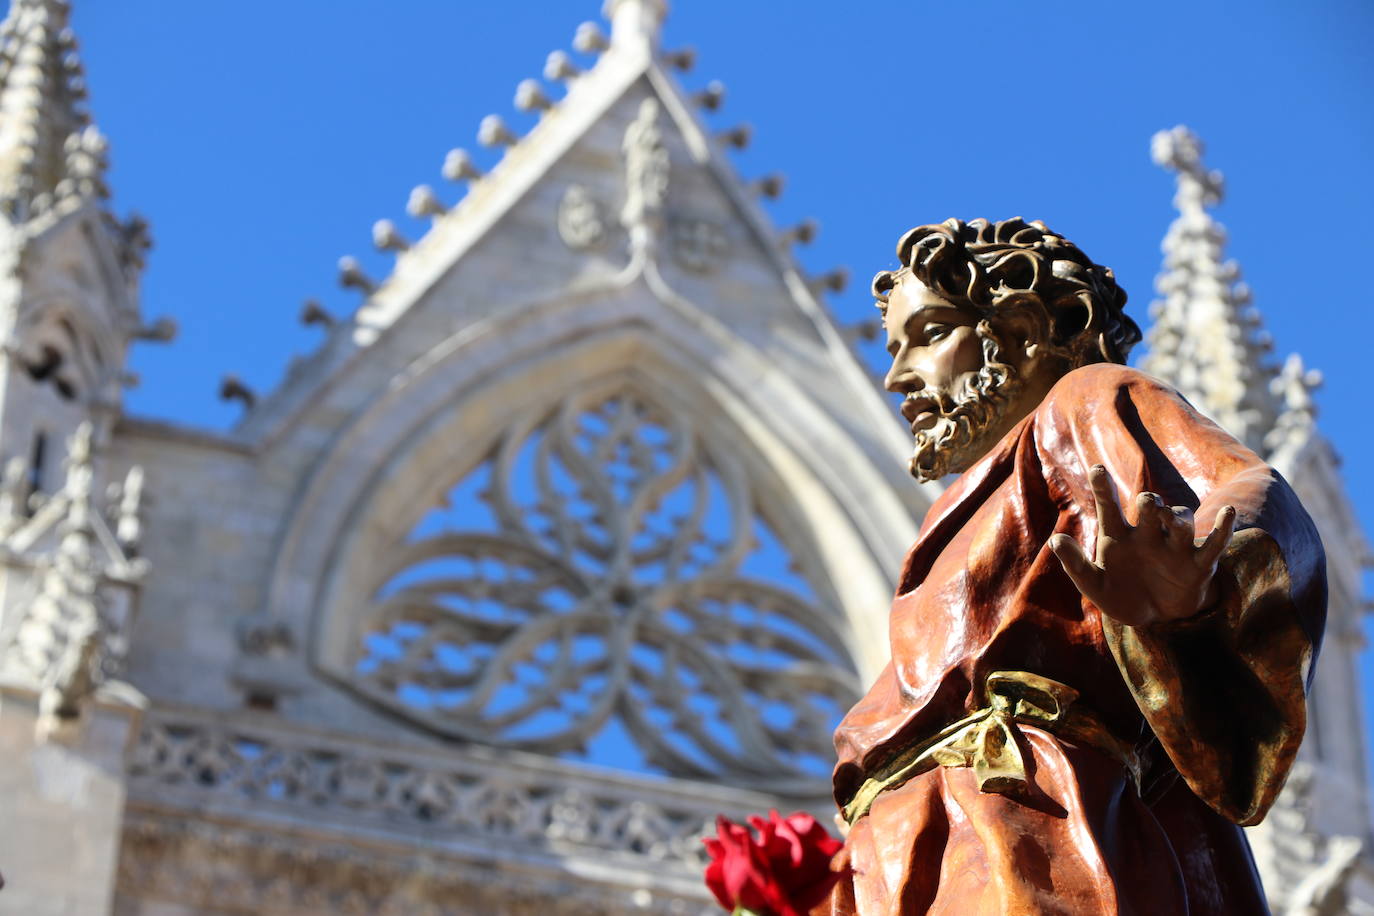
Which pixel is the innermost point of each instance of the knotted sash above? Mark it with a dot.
(989, 741)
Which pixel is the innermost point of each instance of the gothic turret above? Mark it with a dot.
(1209, 342)
(68, 312)
(69, 269)
(1207, 339)
(50, 152)
(70, 573)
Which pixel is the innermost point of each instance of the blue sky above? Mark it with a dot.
(262, 139)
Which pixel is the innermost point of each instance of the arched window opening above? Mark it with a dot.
(38, 457)
(50, 366)
(608, 586)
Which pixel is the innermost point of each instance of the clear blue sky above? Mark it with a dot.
(262, 139)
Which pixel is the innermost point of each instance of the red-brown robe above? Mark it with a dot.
(1214, 704)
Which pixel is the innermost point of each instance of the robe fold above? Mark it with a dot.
(1214, 705)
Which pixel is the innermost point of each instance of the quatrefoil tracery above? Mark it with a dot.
(624, 591)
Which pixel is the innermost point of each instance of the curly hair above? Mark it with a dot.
(996, 267)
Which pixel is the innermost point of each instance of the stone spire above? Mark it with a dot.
(50, 152)
(73, 632)
(636, 22)
(1207, 339)
(1297, 424)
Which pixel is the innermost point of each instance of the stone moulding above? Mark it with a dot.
(604, 832)
(211, 867)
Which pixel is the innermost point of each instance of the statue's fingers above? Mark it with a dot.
(1151, 514)
(1178, 524)
(1110, 521)
(1215, 543)
(1086, 575)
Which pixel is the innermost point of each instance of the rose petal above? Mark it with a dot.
(784, 870)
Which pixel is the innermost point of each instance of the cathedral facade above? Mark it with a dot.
(474, 616)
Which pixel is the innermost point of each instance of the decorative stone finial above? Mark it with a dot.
(803, 233)
(1179, 150)
(136, 240)
(458, 166)
(712, 97)
(1206, 339)
(80, 450)
(233, 388)
(494, 132)
(351, 275)
(424, 202)
(14, 485)
(530, 96)
(559, 67)
(737, 137)
(636, 23)
(589, 39)
(70, 636)
(683, 59)
(54, 153)
(128, 522)
(1293, 386)
(769, 186)
(312, 312)
(164, 330)
(867, 330)
(87, 156)
(833, 280)
(386, 237)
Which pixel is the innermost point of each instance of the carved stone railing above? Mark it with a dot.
(470, 800)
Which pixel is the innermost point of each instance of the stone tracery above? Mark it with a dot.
(623, 582)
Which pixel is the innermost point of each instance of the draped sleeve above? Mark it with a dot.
(1224, 692)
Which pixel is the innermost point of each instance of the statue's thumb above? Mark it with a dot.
(1074, 560)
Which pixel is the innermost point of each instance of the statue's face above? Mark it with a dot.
(958, 396)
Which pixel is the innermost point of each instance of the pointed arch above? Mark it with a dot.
(453, 408)
(627, 577)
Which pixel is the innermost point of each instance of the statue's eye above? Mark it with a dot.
(936, 332)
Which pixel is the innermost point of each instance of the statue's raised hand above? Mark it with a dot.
(1156, 570)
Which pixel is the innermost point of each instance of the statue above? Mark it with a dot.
(1103, 636)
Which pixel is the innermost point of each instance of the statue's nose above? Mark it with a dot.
(902, 378)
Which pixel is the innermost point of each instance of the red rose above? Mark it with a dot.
(784, 872)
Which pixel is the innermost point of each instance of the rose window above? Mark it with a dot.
(605, 586)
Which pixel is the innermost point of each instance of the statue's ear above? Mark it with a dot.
(1072, 315)
(1022, 325)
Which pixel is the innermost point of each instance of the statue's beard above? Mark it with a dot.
(968, 425)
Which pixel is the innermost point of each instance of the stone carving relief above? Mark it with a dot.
(606, 584)
(295, 805)
(266, 668)
(317, 779)
(646, 168)
(71, 635)
(581, 222)
(700, 245)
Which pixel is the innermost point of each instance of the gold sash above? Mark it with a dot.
(988, 740)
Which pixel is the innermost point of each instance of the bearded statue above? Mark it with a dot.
(1104, 634)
